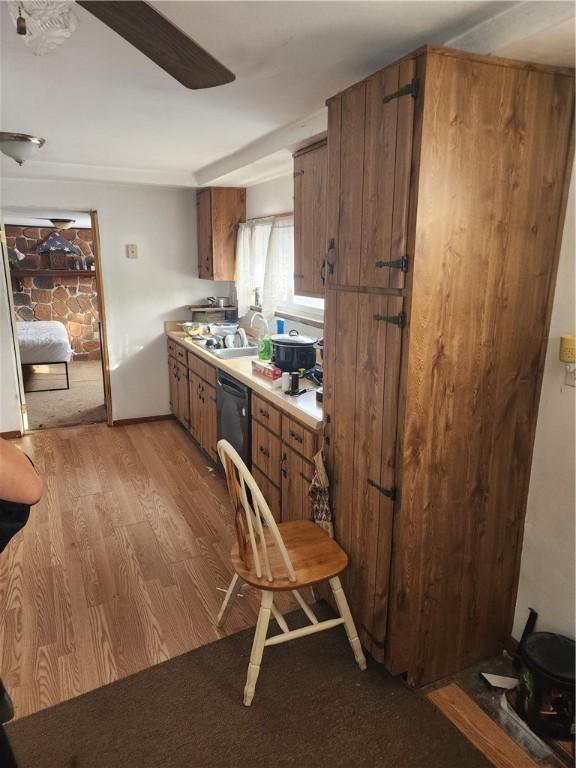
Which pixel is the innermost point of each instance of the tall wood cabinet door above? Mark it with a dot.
(183, 395)
(195, 383)
(204, 224)
(173, 383)
(309, 220)
(346, 124)
(362, 368)
(387, 162)
(296, 478)
(208, 421)
(228, 210)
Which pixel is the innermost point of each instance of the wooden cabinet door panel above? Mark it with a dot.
(362, 360)
(208, 420)
(173, 382)
(204, 224)
(298, 437)
(296, 478)
(228, 209)
(183, 413)
(309, 220)
(195, 383)
(387, 160)
(343, 255)
(270, 492)
(266, 452)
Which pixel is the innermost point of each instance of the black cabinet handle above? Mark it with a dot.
(296, 437)
(264, 451)
(263, 413)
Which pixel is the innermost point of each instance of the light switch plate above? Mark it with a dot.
(132, 251)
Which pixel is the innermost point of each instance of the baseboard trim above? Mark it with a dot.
(141, 420)
(11, 435)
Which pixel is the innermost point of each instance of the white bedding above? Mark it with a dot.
(43, 341)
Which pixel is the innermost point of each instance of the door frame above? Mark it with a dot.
(102, 317)
(101, 314)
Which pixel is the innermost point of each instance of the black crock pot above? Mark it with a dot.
(290, 351)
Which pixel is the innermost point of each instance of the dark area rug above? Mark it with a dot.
(313, 707)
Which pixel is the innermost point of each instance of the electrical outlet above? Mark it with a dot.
(131, 251)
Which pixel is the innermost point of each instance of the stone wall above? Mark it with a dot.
(72, 299)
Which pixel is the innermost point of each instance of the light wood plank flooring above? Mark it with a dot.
(119, 566)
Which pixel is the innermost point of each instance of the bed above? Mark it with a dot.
(44, 342)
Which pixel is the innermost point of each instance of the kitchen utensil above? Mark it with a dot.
(291, 351)
(218, 301)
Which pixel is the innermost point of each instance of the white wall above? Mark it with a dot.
(274, 196)
(547, 570)
(139, 294)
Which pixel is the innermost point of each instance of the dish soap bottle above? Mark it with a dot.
(265, 347)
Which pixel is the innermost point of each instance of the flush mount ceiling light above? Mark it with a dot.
(62, 223)
(19, 146)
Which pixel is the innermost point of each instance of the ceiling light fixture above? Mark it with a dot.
(62, 223)
(19, 146)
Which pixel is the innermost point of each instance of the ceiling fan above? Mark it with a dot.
(139, 24)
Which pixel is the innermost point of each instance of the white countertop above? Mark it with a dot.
(304, 408)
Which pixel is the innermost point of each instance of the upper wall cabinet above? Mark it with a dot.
(310, 220)
(220, 210)
(369, 159)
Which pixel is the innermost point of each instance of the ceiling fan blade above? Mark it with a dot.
(162, 42)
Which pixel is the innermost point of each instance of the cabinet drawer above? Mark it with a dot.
(269, 491)
(266, 452)
(180, 354)
(202, 369)
(266, 414)
(303, 440)
(171, 348)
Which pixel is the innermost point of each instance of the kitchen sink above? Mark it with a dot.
(229, 353)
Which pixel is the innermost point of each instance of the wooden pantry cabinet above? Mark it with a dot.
(447, 181)
(219, 212)
(309, 219)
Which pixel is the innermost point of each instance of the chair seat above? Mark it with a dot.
(314, 555)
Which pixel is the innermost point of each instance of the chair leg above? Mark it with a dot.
(258, 647)
(349, 625)
(235, 586)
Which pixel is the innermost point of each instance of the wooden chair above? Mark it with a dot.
(278, 557)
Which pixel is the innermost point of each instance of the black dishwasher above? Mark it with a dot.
(233, 405)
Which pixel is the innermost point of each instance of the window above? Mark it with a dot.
(265, 264)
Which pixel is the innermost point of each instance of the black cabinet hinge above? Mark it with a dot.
(390, 493)
(298, 276)
(298, 173)
(410, 89)
(401, 264)
(399, 319)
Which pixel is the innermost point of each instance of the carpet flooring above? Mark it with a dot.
(313, 707)
(83, 403)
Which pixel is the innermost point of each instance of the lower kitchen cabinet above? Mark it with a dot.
(270, 492)
(203, 414)
(297, 475)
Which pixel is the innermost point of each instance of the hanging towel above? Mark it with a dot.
(320, 497)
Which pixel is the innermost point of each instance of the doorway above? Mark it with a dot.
(54, 271)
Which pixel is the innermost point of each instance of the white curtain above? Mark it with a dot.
(251, 253)
(279, 272)
(265, 260)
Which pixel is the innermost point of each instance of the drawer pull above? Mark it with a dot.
(264, 451)
(295, 436)
(263, 413)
